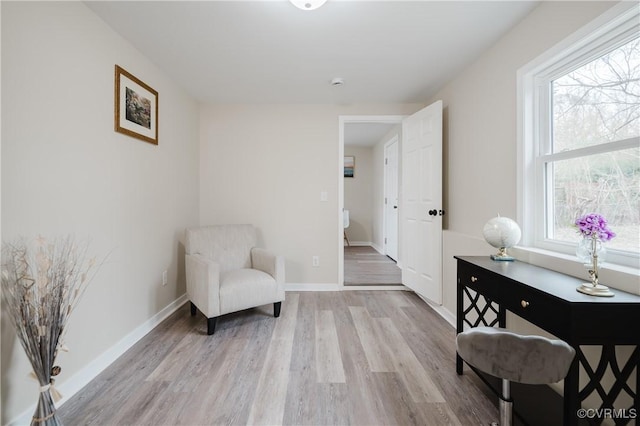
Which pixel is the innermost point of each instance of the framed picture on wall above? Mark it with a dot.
(349, 166)
(136, 107)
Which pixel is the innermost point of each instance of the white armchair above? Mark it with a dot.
(227, 273)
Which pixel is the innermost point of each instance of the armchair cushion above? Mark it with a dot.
(245, 288)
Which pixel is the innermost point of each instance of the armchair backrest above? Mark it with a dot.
(228, 245)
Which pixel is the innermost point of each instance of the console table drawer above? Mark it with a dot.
(544, 310)
(480, 281)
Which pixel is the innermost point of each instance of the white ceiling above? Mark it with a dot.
(271, 52)
(365, 134)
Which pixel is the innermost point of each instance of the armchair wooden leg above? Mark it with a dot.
(211, 325)
(276, 309)
(193, 309)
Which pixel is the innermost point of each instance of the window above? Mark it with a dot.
(580, 138)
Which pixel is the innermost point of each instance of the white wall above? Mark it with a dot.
(65, 170)
(358, 195)
(271, 172)
(480, 129)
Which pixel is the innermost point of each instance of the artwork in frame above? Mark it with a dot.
(349, 166)
(136, 107)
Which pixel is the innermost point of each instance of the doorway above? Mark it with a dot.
(371, 254)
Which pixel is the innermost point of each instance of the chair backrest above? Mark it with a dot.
(229, 245)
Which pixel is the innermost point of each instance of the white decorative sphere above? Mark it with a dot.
(502, 232)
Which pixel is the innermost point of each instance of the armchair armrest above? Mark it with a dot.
(203, 284)
(269, 263)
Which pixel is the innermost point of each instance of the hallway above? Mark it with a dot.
(363, 265)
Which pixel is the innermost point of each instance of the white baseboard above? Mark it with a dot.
(95, 367)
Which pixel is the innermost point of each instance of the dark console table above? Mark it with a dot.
(548, 299)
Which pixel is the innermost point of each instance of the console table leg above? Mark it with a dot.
(502, 317)
(571, 396)
(636, 399)
(608, 363)
(459, 321)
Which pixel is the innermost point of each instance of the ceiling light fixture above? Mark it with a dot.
(307, 4)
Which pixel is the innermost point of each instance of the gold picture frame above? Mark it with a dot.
(136, 107)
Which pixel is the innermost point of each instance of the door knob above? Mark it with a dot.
(441, 212)
(433, 212)
(395, 207)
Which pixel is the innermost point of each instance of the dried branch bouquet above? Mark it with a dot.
(41, 285)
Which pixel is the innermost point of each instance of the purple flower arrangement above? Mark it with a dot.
(594, 224)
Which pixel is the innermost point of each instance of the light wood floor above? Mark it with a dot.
(350, 357)
(363, 265)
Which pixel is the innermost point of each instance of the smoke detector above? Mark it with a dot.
(337, 81)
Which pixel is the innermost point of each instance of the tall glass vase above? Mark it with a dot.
(591, 253)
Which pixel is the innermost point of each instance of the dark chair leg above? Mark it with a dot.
(211, 325)
(193, 309)
(276, 309)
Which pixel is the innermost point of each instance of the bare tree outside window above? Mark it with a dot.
(596, 104)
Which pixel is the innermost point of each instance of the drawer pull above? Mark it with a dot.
(524, 303)
(473, 279)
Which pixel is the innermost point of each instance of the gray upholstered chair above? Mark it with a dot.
(514, 357)
(227, 273)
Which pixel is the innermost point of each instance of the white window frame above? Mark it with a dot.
(614, 28)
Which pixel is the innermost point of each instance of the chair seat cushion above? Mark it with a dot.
(515, 357)
(245, 288)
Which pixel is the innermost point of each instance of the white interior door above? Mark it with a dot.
(391, 199)
(421, 213)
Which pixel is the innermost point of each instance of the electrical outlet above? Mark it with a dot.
(315, 261)
(164, 278)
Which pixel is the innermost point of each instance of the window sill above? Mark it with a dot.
(615, 276)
